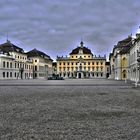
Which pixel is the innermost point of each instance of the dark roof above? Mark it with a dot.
(9, 47)
(124, 45)
(125, 41)
(35, 53)
(85, 49)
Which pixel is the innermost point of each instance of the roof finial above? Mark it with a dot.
(82, 43)
(7, 38)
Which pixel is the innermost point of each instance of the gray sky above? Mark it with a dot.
(57, 26)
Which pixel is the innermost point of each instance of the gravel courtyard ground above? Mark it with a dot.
(89, 109)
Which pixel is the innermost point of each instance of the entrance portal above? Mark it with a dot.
(79, 75)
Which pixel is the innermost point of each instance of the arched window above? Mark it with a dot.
(124, 74)
(124, 60)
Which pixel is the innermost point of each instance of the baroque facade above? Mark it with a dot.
(134, 56)
(119, 59)
(16, 64)
(81, 64)
(125, 59)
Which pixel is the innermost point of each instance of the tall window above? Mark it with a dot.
(97, 68)
(124, 62)
(7, 64)
(4, 64)
(15, 74)
(11, 65)
(10, 74)
(35, 68)
(7, 74)
(3, 74)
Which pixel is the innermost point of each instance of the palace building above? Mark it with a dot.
(81, 63)
(16, 64)
(119, 59)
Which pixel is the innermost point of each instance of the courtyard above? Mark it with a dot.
(78, 109)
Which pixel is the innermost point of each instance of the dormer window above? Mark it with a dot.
(80, 51)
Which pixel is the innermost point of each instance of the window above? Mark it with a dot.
(59, 63)
(4, 64)
(15, 74)
(88, 63)
(101, 63)
(7, 64)
(84, 56)
(15, 65)
(89, 56)
(64, 63)
(101, 68)
(72, 68)
(11, 65)
(84, 68)
(68, 63)
(72, 63)
(97, 68)
(10, 74)
(97, 74)
(101, 74)
(35, 60)
(92, 63)
(107, 68)
(72, 56)
(7, 74)
(3, 74)
(35, 68)
(97, 63)
(84, 63)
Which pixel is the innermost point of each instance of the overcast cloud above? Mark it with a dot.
(57, 26)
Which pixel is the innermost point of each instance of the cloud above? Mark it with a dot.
(57, 26)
